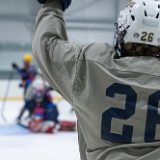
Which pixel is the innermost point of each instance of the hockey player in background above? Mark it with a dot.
(115, 91)
(44, 117)
(27, 73)
(45, 114)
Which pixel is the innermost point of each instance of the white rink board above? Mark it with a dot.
(14, 90)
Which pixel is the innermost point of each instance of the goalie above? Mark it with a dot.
(44, 116)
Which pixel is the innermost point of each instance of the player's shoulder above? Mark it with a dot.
(97, 52)
(97, 47)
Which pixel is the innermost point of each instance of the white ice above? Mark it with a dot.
(17, 143)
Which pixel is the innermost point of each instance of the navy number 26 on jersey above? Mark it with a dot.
(153, 118)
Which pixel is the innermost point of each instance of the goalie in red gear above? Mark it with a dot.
(45, 113)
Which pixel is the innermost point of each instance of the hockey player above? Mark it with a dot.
(115, 92)
(45, 113)
(27, 73)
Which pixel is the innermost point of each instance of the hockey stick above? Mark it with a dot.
(5, 96)
(22, 125)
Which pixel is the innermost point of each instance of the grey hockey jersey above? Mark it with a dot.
(116, 100)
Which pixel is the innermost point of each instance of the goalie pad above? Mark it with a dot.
(38, 125)
(67, 126)
(35, 124)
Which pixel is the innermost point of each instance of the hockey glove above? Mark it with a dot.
(42, 1)
(14, 65)
(21, 85)
(66, 3)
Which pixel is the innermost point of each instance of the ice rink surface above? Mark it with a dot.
(17, 143)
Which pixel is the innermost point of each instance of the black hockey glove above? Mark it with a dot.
(14, 65)
(66, 3)
(21, 85)
(42, 1)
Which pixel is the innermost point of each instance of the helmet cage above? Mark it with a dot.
(119, 39)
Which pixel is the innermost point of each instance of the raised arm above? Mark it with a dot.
(56, 56)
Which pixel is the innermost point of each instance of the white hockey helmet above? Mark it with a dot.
(139, 22)
(38, 83)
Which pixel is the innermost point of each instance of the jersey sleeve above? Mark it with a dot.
(56, 56)
(60, 60)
